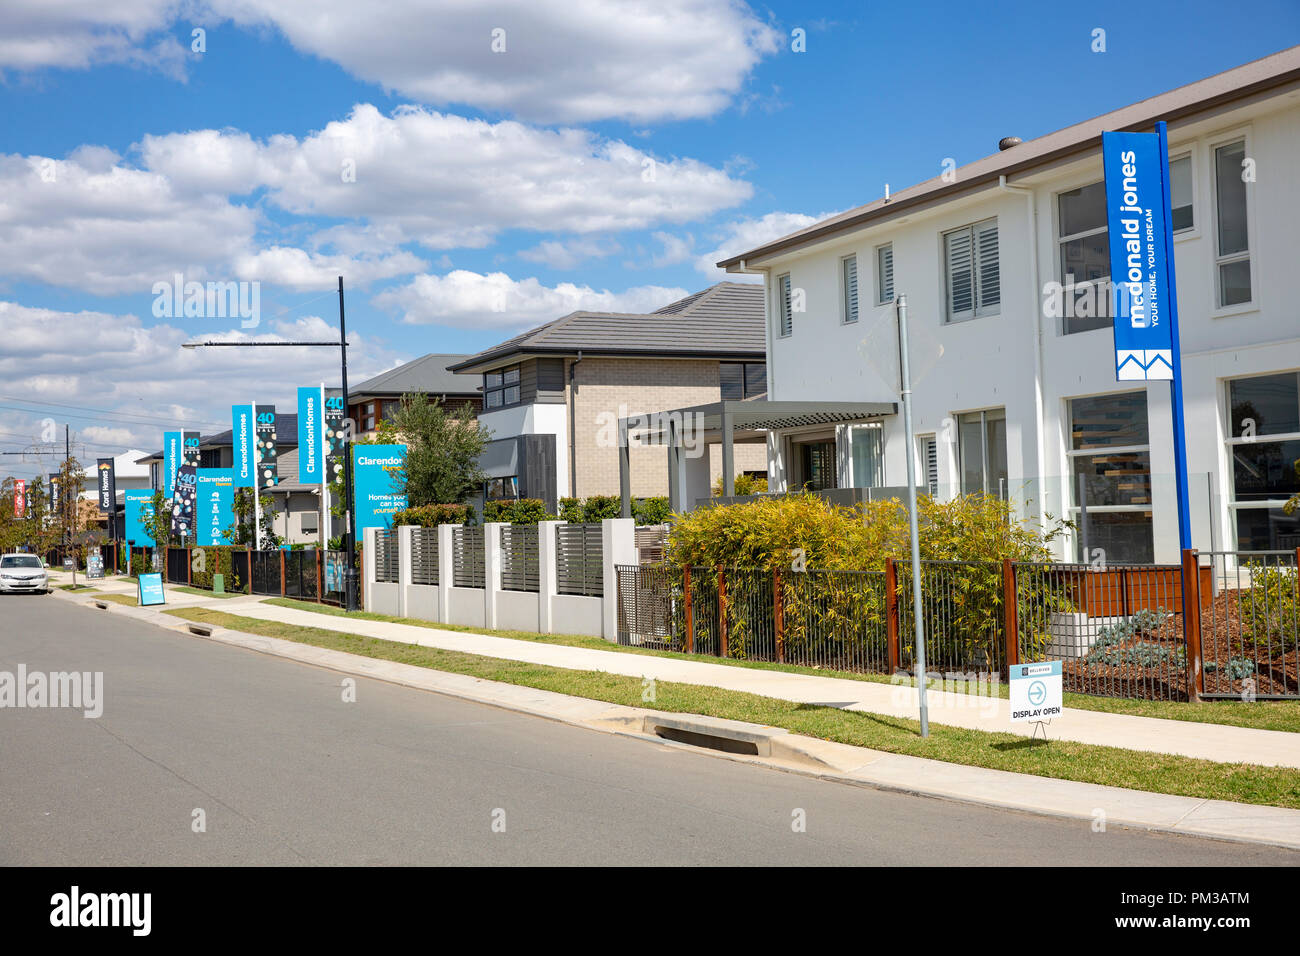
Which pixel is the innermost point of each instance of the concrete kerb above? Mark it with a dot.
(793, 753)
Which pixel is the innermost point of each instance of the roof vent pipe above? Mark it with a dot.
(1006, 142)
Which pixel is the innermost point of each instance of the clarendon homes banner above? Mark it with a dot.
(243, 436)
(379, 472)
(1136, 173)
(216, 505)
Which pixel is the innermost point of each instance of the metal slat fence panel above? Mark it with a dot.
(520, 570)
(579, 560)
(1117, 630)
(835, 619)
(266, 572)
(424, 556)
(961, 608)
(467, 557)
(386, 556)
(1250, 624)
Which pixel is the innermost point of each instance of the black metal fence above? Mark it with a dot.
(424, 556)
(266, 572)
(520, 569)
(386, 556)
(1250, 624)
(300, 575)
(579, 559)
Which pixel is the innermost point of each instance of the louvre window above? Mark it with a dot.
(885, 274)
(973, 277)
(784, 323)
(849, 283)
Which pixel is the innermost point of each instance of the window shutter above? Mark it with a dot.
(783, 304)
(850, 269)
(885, 267)
(990, 285)
(961, 291)
(930, 462)
(732, 381)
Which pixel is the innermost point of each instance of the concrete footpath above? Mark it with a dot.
(1091, 804)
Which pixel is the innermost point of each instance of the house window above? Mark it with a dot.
(210, 458)
(368, 416)
(982, 452)
(1180, 193)
(1233, 244)
(501, 389)
(885, 274)
(867, 455)
(1263, 449)
(817, 465)
(928, 450)
(1110, 464)
(502, 489)
(973, 279)
(741, 380)
(784, 324)
(849, 287)
(1084, 257)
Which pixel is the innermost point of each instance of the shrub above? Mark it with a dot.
(430, 516)
(651, 510)
(598, 507)
(216, 560)
(522, 511)
(743, 485)
(1270, 614)
(978, 531)
(571, 510)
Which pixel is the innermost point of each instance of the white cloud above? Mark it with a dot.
(301, 270)
(675, 249)
(561, 254)
(563, 60)
(744, 234)
(447, 181)
(131, 373)
(472, 300)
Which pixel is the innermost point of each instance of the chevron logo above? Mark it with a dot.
(1130, 365)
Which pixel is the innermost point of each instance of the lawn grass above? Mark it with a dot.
(76, 588)
(130, 600)
(186, 589)
(1281, 715)
(1066, 760)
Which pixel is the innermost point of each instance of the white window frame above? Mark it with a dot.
(1072, 453)
(847, 317)
(977, 310)
(1189, 154)
(1101, 293)
(881, 298)
(986, 415)
(783, 305)
(931, 486)
(1268, 504)
(1243, 136)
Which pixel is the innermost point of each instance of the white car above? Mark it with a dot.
(23, 572)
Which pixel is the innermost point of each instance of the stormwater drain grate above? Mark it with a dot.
(711, 741)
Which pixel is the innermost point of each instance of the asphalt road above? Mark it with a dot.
(286, 772)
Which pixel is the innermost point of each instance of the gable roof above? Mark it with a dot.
(725, 320)
(426, 374)
(286, 436)
(1257, 77)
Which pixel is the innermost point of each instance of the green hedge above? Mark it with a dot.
(430, 516)
(523, 511)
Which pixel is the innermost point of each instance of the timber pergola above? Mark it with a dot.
(726, 422)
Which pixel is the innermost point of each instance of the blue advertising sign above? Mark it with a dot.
(311, 450)
(138, 503)
(380, 481)
(183, 502)
(216, 505)
(1144, 315)
(171, 461)
(242, 436)
(151, 589)
(265, 453)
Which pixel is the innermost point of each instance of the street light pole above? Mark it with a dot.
(905, 379)
(350, 541)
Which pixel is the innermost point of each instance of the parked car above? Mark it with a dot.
(23, 572)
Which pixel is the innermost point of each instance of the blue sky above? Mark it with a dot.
(514, 177)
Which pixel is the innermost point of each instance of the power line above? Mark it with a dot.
(139, 419)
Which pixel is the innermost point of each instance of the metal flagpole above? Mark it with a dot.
(324, 471)
(905, 370)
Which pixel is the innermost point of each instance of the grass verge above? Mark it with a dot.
(1065, 760)
(76, 588)
(186, 589)
(130, 600)
(1281, 715)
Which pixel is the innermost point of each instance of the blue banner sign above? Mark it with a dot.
(311, 451)
(216, 505)
(138, 504)
(266, 454)
(379, 474)
(190, 453)
(171, 461)
(242, 436)
(183, 501)
(1137, 170)
(151, 589)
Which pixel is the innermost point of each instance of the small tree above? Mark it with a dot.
(241, 532)
(442, 449)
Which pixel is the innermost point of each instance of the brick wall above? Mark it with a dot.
(610, 388)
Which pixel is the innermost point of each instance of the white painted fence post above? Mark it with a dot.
(491, 572)
(444, 571)
(368, 566)
(546, 574)
(405, 551)
(618, 546)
